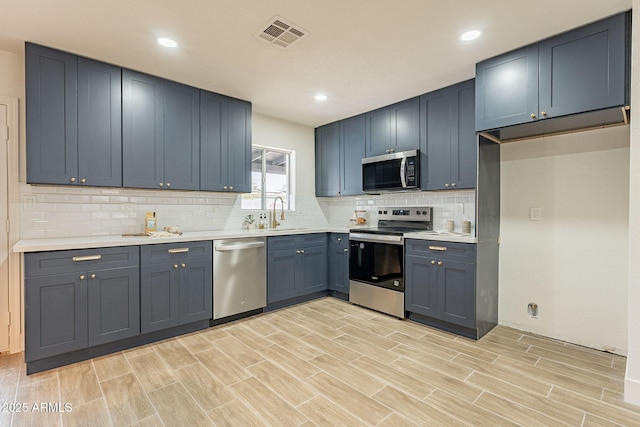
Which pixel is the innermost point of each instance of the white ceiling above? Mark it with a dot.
(363, 54)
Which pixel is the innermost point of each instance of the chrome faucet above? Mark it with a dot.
(275, 223)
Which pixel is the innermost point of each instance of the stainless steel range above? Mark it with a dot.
(376, 258)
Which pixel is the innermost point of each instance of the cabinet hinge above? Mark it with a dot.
(6, 133)
(9, 320)
(8, 226)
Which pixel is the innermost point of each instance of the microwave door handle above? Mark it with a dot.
(403, 172)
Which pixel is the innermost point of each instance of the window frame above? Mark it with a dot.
(288, 201)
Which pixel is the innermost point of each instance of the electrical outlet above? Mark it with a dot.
(29, 202)
(535, 214)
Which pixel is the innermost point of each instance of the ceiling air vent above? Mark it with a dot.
(280, 32)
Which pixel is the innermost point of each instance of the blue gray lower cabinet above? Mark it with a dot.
(86, 303)
(80, 298)
(339, 262)
(440, 285)
(175, 284)
(296, 267)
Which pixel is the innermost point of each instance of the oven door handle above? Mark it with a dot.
(376, 238)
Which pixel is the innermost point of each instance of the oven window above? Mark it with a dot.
(379, 264)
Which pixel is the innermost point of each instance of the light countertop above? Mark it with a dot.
(91, 242)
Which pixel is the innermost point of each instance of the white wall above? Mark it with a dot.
(573, 263)
(277, 133)
(632, 378)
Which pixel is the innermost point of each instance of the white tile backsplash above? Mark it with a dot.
(458, 205)
(78, 212)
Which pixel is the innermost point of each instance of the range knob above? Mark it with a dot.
(380, 212)
(424, 212)
(417, 212)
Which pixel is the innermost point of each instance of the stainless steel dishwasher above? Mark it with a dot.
(239, 276)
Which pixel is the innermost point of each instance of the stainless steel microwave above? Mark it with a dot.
(391, 172)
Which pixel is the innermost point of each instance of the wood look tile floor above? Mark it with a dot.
(322, 363)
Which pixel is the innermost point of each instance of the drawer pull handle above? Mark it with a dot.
(438, 248)
(178, 250)
(87, 258)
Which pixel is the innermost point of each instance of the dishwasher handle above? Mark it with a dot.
(239, 246)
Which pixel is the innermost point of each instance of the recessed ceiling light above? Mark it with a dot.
(321, 97)
(166, 42)
(471, 35)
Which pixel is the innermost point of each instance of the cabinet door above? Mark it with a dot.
(328, 160)
(405, 125)
(99, 124)
(114, 304)
(339, 263)
(421, 287)
(159, 297)
(436, 140)
(507, 89)
(464, 143)
(378, 136)
(52, 116)
(142, 130)
(584, 69)
(311, 274)
(213, 141)
(181, 130)
(55, 315)
(239, 146)
(352, 151)
(456, 289)
(281, 272)
(196, 290)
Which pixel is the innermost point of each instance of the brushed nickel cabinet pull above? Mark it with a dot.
(178, 250)
(86, 258)
(438, 248)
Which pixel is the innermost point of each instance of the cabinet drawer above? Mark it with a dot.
(442, 250)
(316, 239)
(296, 241)
(57, 262)
(152, 254)
(277, 243)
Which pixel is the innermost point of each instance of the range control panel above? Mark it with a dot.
(416, 213)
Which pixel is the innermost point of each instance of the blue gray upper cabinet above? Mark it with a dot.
(393, 128)
(448, 144)
(52, 115)
(73, 119)
(328, 160)
(352, 151)
(507, 89)
(99, 124)
(340, 148)
(225, 138)
(582, 70)
(160, 130)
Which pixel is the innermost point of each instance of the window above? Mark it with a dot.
(270, 178)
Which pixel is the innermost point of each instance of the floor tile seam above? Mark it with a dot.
(605, 404)
(193, 398)
(249, 406)
(384, 384)
(533, 409)
(337, 403)
(146, 394)
(15, 393)
(583, 381)
(603, 365)
(599, 374)
(450, 414)
(274, 391)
